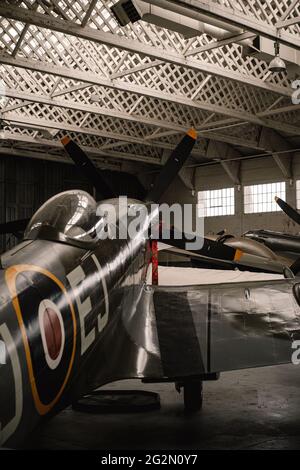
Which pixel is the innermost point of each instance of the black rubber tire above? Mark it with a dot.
(193, 397)
(118, 401)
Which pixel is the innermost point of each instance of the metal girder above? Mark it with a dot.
(132, 70)
(198, 50)
(289, 10)
(42, 124)
(158, 102)
(20, 40)
(107, 111)
(135, 46)
(284, 163)
(231, 140)
(283, 109)
(39, 123)
(227, 138)
(286, 23)
(220, 152)
(234, 17)
(54, 6)
(220, 43)
(40, 155)
(96, 80)
(94, 152)
(98, 110)
(88, 13)
(23, 32)
(273, 142)
(233, 170)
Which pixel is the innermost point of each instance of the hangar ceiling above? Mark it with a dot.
(126, 94)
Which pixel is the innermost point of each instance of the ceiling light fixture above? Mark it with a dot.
(277, 65)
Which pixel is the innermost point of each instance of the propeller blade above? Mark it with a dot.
(210, 248)
(249, 263)
(288, 210)
(87, 167)
(173, 166)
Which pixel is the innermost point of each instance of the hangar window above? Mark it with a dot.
(216, 202)
(260, 197)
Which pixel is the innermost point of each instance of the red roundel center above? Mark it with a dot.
(53, 333)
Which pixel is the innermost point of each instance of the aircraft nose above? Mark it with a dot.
(11, 386)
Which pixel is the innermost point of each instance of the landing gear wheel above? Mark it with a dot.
(118, 401)
(193, 397)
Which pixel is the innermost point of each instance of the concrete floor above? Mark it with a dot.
(251, 409)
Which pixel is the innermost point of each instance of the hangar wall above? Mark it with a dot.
(25, 184)
(254, 171)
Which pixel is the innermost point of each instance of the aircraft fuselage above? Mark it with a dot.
(58, 305)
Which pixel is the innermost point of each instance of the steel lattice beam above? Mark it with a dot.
(42, 124)
(69, 104)
(38, 123)
(121, 156)
(146, 97)
(94, 79)
(135, 46)
(233, 17)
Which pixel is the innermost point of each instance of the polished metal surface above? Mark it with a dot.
(74, 317)
(276, 241)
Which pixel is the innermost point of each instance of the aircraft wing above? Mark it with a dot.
(175, 332)
(214, 328)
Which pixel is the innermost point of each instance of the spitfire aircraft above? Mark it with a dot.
(276, 247)
(282, 243)
(77, 311)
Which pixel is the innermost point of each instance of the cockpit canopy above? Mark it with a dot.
(68, 216)
(75, 218)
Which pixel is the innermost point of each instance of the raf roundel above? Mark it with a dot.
(52, 332)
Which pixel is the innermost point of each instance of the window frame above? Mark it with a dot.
(226, 196)
(257, 206)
